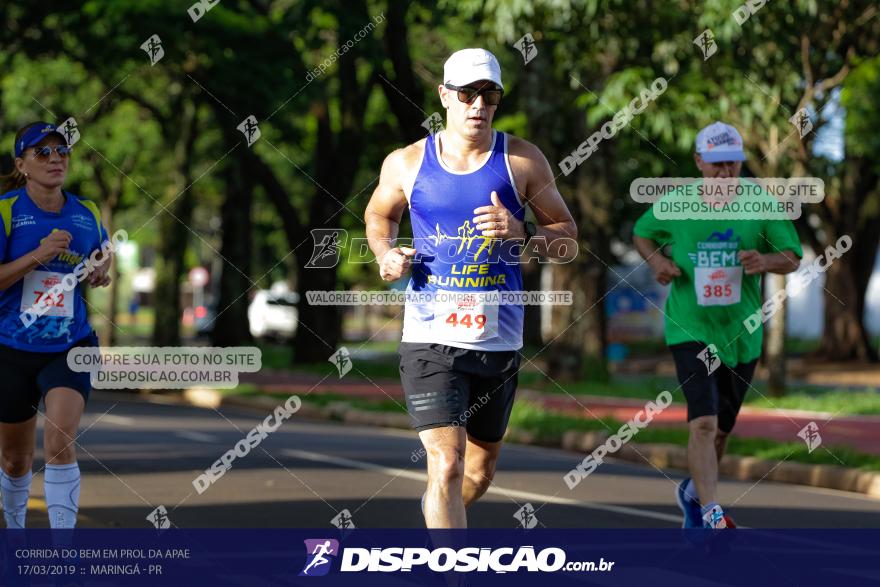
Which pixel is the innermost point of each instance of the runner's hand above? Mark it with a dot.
(51, 246)
(665, 270)
(100, 276)
(496, 221)
(753, 262)
(395, 263)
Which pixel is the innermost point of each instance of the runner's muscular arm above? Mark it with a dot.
(556, 236)
(384, 212)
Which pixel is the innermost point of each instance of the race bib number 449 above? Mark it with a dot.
(465, 317)
(718, 286)
(38, 293)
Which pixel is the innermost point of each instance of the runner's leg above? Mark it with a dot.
(479, 468)
(445, 449)
(16, 459)
(64, 408)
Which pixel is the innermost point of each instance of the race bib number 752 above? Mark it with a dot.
(39, 292)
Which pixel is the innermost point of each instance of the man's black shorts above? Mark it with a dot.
(720, 393)
(450, 386)
(28, 377)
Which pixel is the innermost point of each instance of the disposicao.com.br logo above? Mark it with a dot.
(468, 559)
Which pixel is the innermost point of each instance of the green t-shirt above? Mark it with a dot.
(713, 296)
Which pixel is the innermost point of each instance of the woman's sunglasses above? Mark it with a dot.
(44, 153)
(491, 95)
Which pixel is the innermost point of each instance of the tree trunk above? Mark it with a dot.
(846, 280)
(231, 326)
(774, 349)
(174, 232)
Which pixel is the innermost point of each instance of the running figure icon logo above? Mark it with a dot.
(706, 42)
(70, 129)
(159, 518)
(801, 121)
(249, 129)
(154, 49)
(526, 516)
(320, 553)
(709, 356)
(526, 46)
(327, 246)
(342, 359)
(343, 520)
(810, 435)
(434, 123)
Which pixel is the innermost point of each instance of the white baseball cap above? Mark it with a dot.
(720, 142)
(471, 65)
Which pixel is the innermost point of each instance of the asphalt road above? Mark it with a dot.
(136, 456)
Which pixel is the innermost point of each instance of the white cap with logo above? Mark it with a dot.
(720, 142)
(471, 65)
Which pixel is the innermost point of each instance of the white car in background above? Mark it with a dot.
(272, 313)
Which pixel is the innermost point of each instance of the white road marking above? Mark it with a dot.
(524, 495)
(120, 420)
(197, 436)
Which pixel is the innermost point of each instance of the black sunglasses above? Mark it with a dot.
(46, 152)
(491, 94)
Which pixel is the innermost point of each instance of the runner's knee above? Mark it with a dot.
(704, 427)
(446, 463)
(17, 463)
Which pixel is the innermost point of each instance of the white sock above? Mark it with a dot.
(15, 491)
(62, 494)
(690, 490)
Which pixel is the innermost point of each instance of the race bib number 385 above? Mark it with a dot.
(465, 317)
(39, 292)
(718, 286)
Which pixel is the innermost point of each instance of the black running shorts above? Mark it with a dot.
(720, 393)
(450, 386)
(28, 377)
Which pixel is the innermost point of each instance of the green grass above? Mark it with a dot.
(865, 402)
(836, 401)
(550, 426)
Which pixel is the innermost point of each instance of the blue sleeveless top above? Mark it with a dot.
(452, 256)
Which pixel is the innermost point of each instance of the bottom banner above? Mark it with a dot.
(440, 557)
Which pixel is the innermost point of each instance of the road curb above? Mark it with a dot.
(671, 456)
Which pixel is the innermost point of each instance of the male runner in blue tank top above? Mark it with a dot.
(467, 188)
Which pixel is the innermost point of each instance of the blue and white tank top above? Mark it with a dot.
(455, 292)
